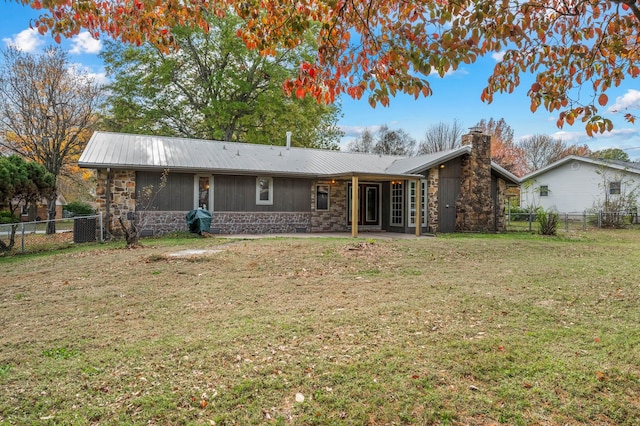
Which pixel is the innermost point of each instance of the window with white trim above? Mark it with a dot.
(264, 191)
(615, 188)
(411, 201)
(396, 203)
(203, 192)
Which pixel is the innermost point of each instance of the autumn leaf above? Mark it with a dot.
(603, 99)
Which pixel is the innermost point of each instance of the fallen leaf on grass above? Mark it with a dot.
(601, 376)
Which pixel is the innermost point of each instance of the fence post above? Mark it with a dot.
(22, 232)
(100, 222)
(566, 221)
(600, 219)
(530, 220)
(584, 220)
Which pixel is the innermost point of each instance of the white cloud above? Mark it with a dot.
(85, 43)
(354, 131)
(27, 40)
(630, 100)
(460, 71)
(569, 137)
(498, 56)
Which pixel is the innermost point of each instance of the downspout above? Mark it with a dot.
(107, 205)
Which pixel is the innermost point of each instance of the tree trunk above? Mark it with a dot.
(51, 213)
(4, 247)
(131, 234)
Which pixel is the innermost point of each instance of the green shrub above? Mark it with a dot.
(548, 221)
(79, 208)
(8, 217)
(521, 213)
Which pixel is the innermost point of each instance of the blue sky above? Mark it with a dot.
(456, 96)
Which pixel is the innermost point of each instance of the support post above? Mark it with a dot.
(418, 207)
(355, 200)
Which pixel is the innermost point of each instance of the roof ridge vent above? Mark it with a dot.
(224, 147)
(238, 153)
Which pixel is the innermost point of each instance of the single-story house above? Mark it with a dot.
(37, 211)
(251, 188)
(578, 184)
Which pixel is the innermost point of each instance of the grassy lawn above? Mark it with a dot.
(462, 329)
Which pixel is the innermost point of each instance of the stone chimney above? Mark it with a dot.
(474, 207)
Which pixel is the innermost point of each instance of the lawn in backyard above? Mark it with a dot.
(459, 329)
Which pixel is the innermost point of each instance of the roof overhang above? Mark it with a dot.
(245, 172)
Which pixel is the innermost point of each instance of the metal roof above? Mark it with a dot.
(140, 152)
(614, 164)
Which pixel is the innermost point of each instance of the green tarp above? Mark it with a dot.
(199, 221)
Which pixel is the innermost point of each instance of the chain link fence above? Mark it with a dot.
(527, 221)
(30, 237)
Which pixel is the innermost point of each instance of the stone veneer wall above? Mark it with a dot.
(123, 196)
(501, 220)
(260, 222)
(162, 222)
(433, 179)
(334, 219)
(474, 206)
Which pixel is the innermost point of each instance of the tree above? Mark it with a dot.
(576, 49)
(619, 198)
(213, 87)
(579, 150)
(21, 183)
(542, 150)
(611, 154)
(503, 150)
(362, 143)
(385, 141)
(441, 137)
(394, 142)
(47, 111)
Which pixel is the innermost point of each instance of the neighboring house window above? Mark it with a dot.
(322, 197)
(614, 188)
(412, 203)
(264, 191)
(544, 190)
(396, 203)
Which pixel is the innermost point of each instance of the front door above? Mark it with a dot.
(448, 190)
(368, 203)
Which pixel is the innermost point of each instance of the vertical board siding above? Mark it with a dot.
(177, 195)
(238, 193)
(448, 190)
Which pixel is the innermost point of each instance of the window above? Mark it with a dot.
(264, 191)
(412, 203)
(322, 197)
(396, 203)
(544, 190)
(203, 191)
(615, 188)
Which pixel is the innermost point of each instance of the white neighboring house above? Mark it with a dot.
(577, 184)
